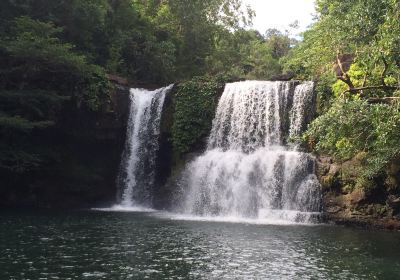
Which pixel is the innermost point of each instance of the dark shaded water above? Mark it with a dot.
(104, 245)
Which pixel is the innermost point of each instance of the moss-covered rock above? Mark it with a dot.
(351, 199)
(195, 103)
(328, 173)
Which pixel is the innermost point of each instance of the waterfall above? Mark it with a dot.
(249, 169)
(137, 169)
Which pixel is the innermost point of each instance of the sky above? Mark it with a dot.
(280, 13)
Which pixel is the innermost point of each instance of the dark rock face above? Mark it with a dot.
(165, 158)
(283, 77)
(371, 204)
(85, 154)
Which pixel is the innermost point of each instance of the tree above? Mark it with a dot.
(247, 54)
(278, 42)
(197, 26)
(368, 30)
(38, 74)
(352, 51)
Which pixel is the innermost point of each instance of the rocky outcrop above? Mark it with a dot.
(283, 77)
(166, 158)
(350, 201)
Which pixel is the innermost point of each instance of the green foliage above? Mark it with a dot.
(351, 122)
(38, 75)
(21, 124)
(155, 41)
(324, 93)
(354, 126)
(248, 54)
(22, 114)
(36, 41)
(139, 45)
(36, 58)
(195, 27)
(368, 29)
(18, 161)
(195, 105)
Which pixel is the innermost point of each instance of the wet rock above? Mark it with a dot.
(283, 77)
(394, 203)
(327, 172)
(333, 210)
(334, 169)
(357, 196)
(325, 160)
(351, 200)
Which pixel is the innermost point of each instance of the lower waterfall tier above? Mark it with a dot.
(268, 183)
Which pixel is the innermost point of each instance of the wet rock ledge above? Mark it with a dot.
(373, 204)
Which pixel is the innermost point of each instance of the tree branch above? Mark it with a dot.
(386, 66)
(375, 100)
(384, 87)
(345, 77)
(364, 84)
(365, 80)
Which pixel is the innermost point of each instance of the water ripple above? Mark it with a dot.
(119, 245)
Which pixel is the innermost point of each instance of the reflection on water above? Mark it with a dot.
(104, 245)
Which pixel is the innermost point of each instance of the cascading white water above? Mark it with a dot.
(137, 170)
(249, 170)
(303, 102)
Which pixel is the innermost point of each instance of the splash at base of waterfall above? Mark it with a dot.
(121, 208)
(278, 217)
(272, 184)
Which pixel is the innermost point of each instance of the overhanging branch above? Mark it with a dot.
(376, 100)
(355, 90)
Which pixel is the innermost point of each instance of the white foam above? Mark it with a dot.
(120, 208)
(276, 219)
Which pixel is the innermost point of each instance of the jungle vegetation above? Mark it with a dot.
(353, 52)
(57, 54)
(54, 53)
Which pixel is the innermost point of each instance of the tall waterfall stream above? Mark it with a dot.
(136, 176)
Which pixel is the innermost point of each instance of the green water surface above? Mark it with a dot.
(107, 245)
